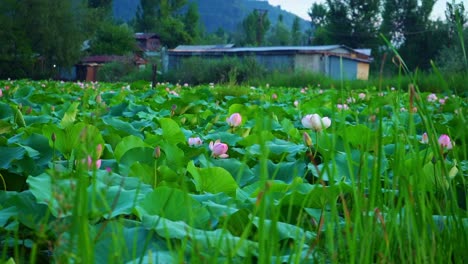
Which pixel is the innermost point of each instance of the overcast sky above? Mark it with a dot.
(300, 7)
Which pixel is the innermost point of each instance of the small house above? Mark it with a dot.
(148, 43)
(336, 61)
(87, 68)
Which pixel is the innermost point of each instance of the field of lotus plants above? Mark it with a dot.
(127, 173)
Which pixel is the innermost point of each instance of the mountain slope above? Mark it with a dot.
(214, 14)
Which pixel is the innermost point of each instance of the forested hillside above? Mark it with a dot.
(215, 14)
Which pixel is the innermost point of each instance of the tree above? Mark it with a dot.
(112, 39)
(453, 57)
(146, 16)
(100, 9)
(406, 23)
(16, 55)
(296, 35)
(318, 15)
(456, 17)
(254, 28)
(46, 33)
(280, 35)
(165, 17)
(350, 22)
(192, 21)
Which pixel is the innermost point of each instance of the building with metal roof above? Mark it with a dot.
(336, 61)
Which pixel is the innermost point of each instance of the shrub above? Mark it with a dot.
(197, 70)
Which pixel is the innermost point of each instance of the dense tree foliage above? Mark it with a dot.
(280, 35)
(112, 39)
(406, 24)
(255, 27)
(165, 18)
(350, 22)
(38, 37)
(296, 34)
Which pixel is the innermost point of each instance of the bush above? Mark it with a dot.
(114, 71)
(124, 72)
(198, 70)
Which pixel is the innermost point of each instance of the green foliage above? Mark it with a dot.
(38, 36)
(164, 18)
(274, 199)
(112, 39)
(451, 58)
(115, 71)
(279, 35)
(226, 70)
(352, 23)
(318, 15)
(296, 34)
(254, 28)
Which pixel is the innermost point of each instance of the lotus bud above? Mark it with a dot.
(445, 142)
(234, 120)
(157, 152)
(307, 139)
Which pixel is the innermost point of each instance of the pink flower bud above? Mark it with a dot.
(218, 149)
(234, 120)
(89, 162)
(432, 98)
(157, 152)
(99, 150)
(195, 141)
(307, 139)
(424, 138)
(445, 142)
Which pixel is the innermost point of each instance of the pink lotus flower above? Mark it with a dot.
(1, 93)
(274, 96)
(445, 141)
(342, 106)
(315, 122)
(350, 100)
(234, 120)
(362, 96)
(424, 138)
(442, 101)
(432, 98)
(194, 141)
(218, 149)
(296, 103)
(89, 162)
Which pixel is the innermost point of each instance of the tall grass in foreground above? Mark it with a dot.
(376, 193)
(371, 193)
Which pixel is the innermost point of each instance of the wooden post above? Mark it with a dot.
(153, 77)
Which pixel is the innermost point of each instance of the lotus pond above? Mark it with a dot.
(124, 173)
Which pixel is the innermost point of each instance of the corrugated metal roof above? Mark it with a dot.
(195, 48)
(289, 48)
(217, 50)
(364, 51)
(231, 48)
